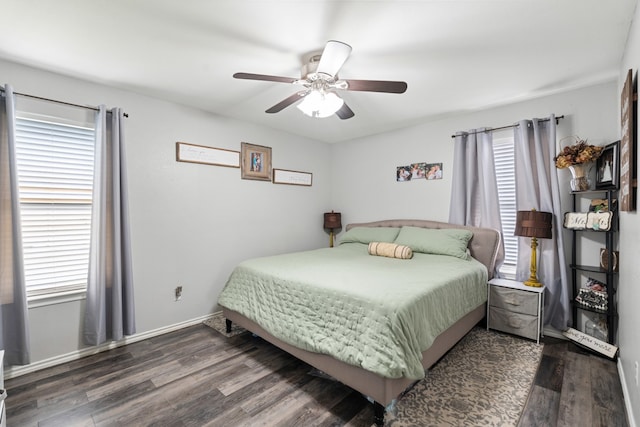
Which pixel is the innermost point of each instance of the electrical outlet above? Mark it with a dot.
(636, 373)
(178, 293)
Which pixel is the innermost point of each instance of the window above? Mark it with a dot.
(55, 177)
(503, 153)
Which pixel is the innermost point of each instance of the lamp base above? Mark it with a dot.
(533, 277)
(532, 281)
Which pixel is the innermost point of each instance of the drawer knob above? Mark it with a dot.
(515, 322)
(513, 301)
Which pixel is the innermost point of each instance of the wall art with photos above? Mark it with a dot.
(256, 162)
(608, 166)
(419, 171)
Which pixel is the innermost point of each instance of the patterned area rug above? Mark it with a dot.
(218, 323)
(483, 381)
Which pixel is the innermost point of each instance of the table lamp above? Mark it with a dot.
(536, 225)
(332, 221)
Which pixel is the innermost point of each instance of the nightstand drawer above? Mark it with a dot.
(514, 300)
(514, 323)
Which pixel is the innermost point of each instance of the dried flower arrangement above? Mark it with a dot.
(578, 153)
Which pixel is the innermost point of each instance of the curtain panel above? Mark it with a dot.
(474, 192)
(14, 325)
(537, 188)
(110, 312)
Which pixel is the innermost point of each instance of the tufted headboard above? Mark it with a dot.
(483, 246)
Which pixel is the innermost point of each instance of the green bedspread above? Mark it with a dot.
(374, 312)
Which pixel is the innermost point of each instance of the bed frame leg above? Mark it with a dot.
(378, 414)
(228, 322)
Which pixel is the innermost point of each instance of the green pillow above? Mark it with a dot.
(440, 241)
(367, 235)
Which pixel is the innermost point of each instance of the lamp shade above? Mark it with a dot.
(332, 220)
(534, 223)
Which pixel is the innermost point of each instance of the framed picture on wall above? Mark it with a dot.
(627, 146)
(193, 153)
(608, 166)
(284, 176)
(256, 162)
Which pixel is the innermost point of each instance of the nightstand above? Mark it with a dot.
(515, 308)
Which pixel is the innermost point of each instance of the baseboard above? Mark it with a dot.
(553, 332)
(16, 371)
(627, 398)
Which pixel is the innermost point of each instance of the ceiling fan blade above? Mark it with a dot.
(333, 57)
(264, 77)
(287, 101)
(345, 112)
(376, 86)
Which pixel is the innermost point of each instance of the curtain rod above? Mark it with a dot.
(88, 107)
(506, 127)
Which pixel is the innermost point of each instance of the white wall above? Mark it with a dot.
(190, 223)
(629, 291)
(365, 188)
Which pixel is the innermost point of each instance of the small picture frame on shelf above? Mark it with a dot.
(602, 205)
(604, 259)
(608, 167)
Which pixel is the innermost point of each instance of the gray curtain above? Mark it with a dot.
(474, 192)
(537, 188)
(14, 325)
(110, 313)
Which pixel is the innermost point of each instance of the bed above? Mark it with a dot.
(373, 319)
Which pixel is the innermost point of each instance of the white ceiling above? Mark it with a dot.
(455, 55)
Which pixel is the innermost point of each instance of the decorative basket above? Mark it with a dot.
(592, 299)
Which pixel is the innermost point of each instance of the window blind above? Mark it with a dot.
(503, 152)
(55, 177)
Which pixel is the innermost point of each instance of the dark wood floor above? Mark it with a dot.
(574, 387)
(197, 377)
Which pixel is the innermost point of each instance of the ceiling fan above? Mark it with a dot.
(320, 82)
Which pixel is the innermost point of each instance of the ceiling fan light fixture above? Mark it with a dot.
(320, 80)
(320, 104)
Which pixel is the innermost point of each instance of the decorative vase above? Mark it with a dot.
(580, 177)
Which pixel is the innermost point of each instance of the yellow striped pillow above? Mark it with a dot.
(390, 250)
